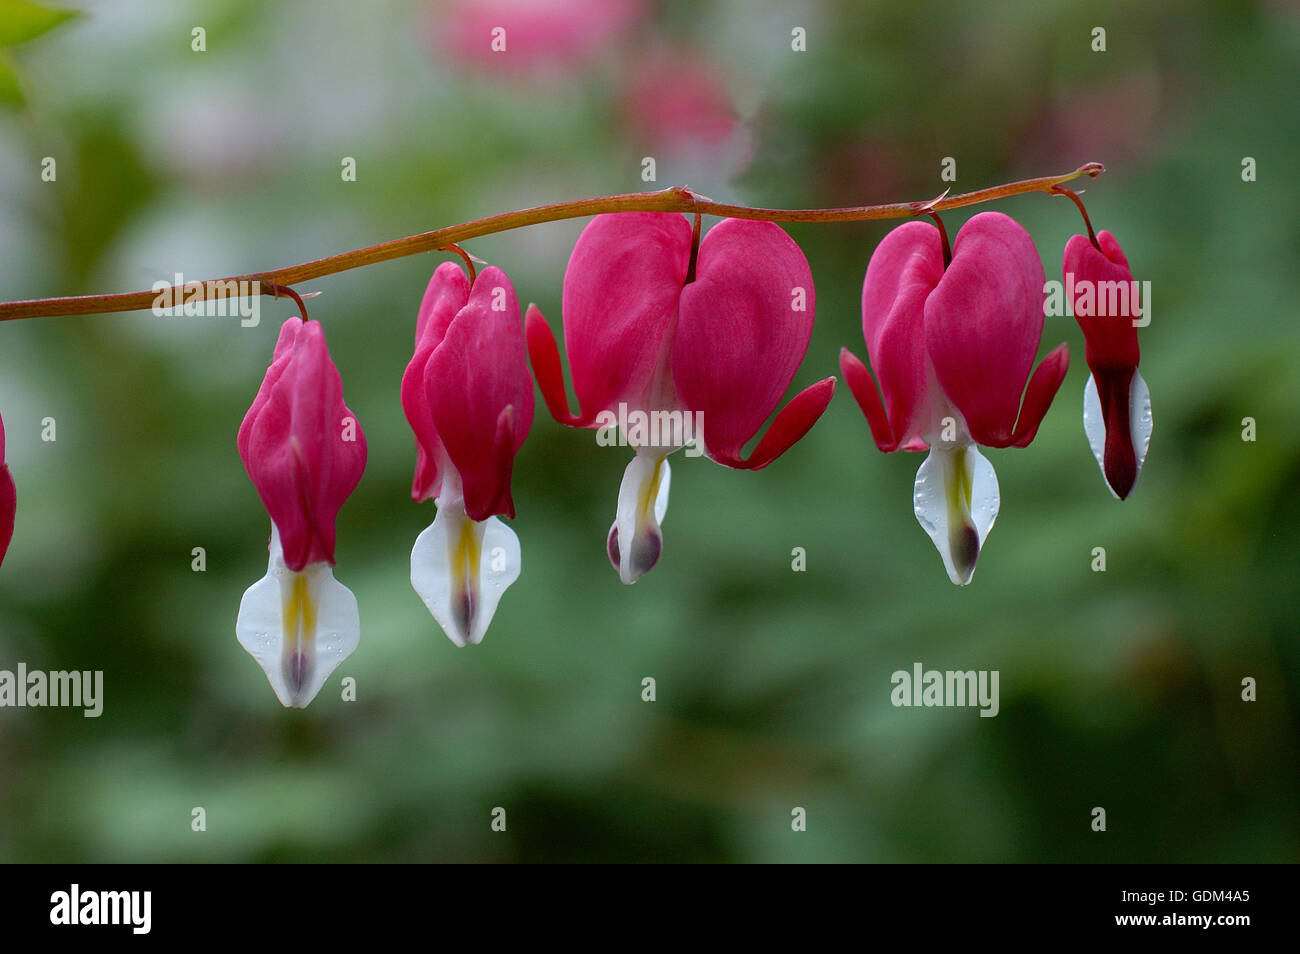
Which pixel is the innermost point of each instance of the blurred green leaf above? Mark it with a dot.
(21, 21)
(11, 91)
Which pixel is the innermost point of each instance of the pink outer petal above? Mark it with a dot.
(864, 392)
(621, 291)
(8, 499)
(446, 294)
(904, 270)
(481, 395)
(983, 323)
(295, 448)
(8, 506)
(1119, 458)
(545, 358)
(279, 361)
(740, 337)
(1038, 396)
(1111, 340)
(795, 420)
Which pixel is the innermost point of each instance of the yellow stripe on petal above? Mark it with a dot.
(298, 626)
(956, 502)
(650, 493)
(460, 568)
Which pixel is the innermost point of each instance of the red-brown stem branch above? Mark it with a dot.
(469, 261)
(695, 249)
(943, 238)
(676, 199)
(1073, 196)
(285, 290)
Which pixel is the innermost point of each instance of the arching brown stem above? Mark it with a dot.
(675, 199)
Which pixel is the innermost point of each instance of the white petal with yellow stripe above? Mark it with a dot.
(642, 504)
(298, 626)
(956, 501)
(462, 567)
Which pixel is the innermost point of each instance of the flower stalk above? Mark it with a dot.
(674, 199)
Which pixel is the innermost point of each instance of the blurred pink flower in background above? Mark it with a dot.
(674, 104)
(530, 35)
(673, 97)
(1122, 120)
(678, 103)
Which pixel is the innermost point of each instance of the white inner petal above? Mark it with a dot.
(461, 568)
(956, 502)
(298, 626)
(1140, 424)
(642, 505)
(661, 498)
(1094, 425)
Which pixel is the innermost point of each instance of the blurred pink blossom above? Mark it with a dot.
(676, 99)
(530, 36)
(1122, 120)
(678, 107)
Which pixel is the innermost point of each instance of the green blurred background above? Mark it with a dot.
(1119, 689)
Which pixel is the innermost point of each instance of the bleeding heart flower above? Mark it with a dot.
(952, 348)
(468, 397)
(305, 453)
(1116, 403)
(8, 499)
(679, 352)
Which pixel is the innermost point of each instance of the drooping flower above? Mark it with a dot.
(676, 351)
(8, 499)
(1116, 403)
(305, 453)
(468, 397)
(952, 349)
